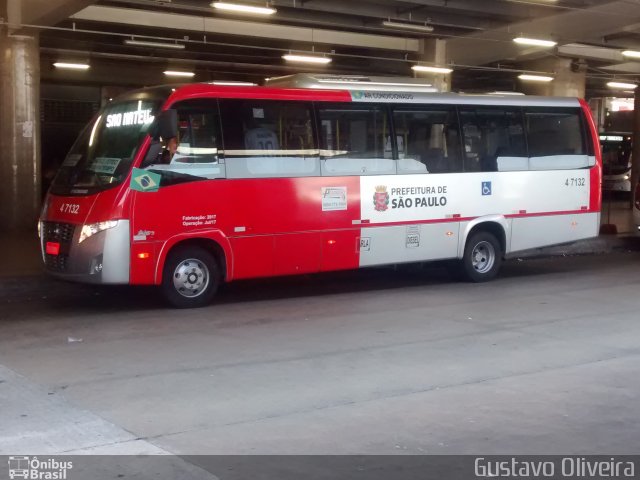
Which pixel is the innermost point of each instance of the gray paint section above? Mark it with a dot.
(117, 254)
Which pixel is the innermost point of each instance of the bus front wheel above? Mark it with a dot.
(191, 277)
(482, 257)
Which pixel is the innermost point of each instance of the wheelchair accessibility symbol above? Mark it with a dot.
(486, 188)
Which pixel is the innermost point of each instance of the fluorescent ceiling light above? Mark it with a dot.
(535, 78)
(408, 26)
(71, 66)
(622, 85)
(535, 41)
(234, 7)
(233, 84)
(146, 43)
(497, 92)
(631, 53)
(423, 68)
(177, 73)
(306, 59)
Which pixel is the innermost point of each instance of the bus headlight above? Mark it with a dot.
(92, 229)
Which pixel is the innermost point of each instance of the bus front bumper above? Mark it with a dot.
(102, 257)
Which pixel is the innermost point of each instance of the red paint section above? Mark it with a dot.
(73, 210)
(340, 250)
(297, 253)
(111, 204)
(255, 255)
(261, 93)
(143, 269)
(595, 200)
(273, 226)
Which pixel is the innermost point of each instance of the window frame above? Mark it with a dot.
(426, 108)
(506, 108)
(385, 108)
(308, 104)
(556, 110)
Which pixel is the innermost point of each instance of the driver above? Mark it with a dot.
(169, 150)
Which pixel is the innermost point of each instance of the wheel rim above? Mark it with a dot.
(191, 278)
(483, 257)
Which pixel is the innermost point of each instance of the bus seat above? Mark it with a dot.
(434, 160)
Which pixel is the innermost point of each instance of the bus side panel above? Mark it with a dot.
(143, 267)
(288, 225)
(253, 256)
(297, 253)
(409, 243)
(565, 215)
(539, 231)
(340, 249)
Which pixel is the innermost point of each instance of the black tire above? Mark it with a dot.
(482, 257)
(191, 277)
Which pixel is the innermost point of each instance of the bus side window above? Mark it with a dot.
(432, 142)
(556, 139)
(493, 139)
(196, 152)
(354, 140)
(268, 138)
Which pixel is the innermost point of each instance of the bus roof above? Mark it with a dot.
(206, 90)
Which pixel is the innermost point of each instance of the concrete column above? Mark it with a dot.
(19, 131)
(434, 52)
(570, 78)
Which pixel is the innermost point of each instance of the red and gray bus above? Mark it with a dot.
(282, 181)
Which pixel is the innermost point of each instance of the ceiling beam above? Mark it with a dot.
(49, 12)
(585, 25)
(216, 25)
(484, 8)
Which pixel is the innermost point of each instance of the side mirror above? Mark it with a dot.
(166, 125)
(153, 154)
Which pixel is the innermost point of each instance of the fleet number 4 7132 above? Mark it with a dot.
(72, 208)
(574, 182)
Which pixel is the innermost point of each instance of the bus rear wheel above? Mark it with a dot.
(482, 257)
(190, 278)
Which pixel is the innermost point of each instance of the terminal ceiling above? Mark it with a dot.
(221, 46)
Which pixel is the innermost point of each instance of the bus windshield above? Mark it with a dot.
(616, 153)
(102, 156)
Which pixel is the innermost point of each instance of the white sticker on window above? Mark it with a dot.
(334, 198)
(72, 160)
(258, 113)
(105, 165)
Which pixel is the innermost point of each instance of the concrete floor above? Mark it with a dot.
(545, 359)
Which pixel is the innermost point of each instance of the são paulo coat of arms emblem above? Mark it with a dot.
(381, 198)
